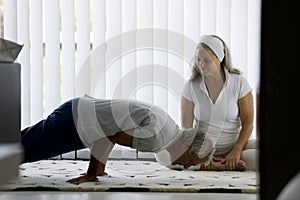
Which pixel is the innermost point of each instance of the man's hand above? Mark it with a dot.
(100, 173)
(84, 178)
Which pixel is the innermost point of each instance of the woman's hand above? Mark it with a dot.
(232, 160)
(84, 178)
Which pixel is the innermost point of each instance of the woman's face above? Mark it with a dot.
(207, 62)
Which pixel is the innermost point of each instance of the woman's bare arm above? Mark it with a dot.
(187, 113)
(246, 110)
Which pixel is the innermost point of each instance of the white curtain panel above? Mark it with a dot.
(137, 49)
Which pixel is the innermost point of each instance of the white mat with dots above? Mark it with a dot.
(145, 176)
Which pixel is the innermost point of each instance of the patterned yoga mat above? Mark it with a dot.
(124, 175)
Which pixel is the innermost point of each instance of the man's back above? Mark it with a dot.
(150, 125)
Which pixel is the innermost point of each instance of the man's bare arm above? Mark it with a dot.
(99, 156)
(91, 175)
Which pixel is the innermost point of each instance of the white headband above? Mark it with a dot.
(214, 44)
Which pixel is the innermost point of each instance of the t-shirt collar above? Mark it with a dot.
(201, 84)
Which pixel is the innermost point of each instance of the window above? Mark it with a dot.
(138, 49)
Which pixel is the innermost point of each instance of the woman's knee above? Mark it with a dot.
(252, 144)
(250, 156)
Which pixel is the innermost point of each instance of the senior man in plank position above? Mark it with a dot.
(99, 124)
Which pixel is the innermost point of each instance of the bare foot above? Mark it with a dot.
(218, 166)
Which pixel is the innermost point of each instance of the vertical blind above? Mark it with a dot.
(137, 49)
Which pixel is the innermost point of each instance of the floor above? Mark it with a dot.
(51, 195)
(123, 195)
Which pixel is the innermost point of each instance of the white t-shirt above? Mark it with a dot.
(220, 119)
(153, 129)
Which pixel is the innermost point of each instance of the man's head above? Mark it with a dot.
(203, 146)
(191, 149)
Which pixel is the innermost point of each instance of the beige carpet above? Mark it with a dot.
(145, 176)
